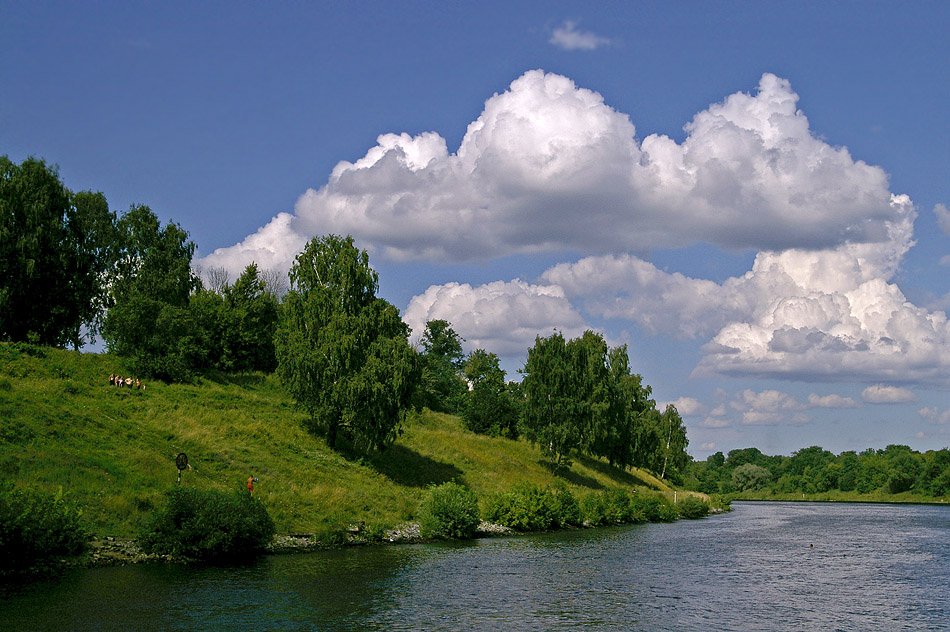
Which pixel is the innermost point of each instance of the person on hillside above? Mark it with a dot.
(250, 485)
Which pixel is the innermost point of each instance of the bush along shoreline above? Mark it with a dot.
(44, 534)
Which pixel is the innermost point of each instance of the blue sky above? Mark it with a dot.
(752, 196)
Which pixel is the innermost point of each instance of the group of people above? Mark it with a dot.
(128, 382)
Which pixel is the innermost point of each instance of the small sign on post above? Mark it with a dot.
(181, 461)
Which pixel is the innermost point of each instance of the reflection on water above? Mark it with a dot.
(764, 566)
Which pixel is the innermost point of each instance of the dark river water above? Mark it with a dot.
(765, 566)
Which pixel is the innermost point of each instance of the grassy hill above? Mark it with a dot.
(112, 450)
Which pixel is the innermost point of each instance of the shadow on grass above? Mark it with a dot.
(244, 380)
(616, 474)
(405, 466)
(570, 476)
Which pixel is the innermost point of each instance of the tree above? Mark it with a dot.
(149, 320)
(441, 388)
(342, 352)
(52, 255)
(614, 434)
(675, 457)
(489, 408)
(551, 413)
(749, 476)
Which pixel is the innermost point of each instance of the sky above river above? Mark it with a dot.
(754, 197)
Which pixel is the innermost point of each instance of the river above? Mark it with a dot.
(764, 566)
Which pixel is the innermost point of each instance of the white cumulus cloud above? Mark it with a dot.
(768, 407)
(884, 394)
(549, 166)
(568, 37)
(685, 406)
(502, 317)
(797, 314)
(831, 401)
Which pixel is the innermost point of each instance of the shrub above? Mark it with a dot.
(610, 507)
(531, 508)
(35, 528)
(449, 511)
(654, 507)
(209, 525)
(691, 507)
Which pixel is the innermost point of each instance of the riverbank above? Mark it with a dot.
(112, 452)
(843, 497)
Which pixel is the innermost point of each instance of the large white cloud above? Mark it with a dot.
(831, 314)
(501, 317)
(549, 166)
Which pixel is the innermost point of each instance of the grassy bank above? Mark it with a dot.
(112, 450)
(844, 497)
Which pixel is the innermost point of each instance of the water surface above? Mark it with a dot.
(765, 566)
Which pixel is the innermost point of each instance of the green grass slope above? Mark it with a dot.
(112, 450)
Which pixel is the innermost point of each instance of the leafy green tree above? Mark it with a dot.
(675, 456)
(442, 387)
(342, 352)
(52, 254)
(648, 440)
(98, 234)
(489, 408)
(748, 477)
(239, 322)
(552, 415)
(149, 320)
(614, 433)
(904, 468)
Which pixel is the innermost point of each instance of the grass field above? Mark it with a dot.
(112, 450)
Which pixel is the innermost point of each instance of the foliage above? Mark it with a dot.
(749, 476)
(612, 507)
(691, 508)
(654, 507)
(54, 249)
(489, 408)
(449, 511)
(208, 525)
(343, 353)
(441, 387)
(554, 415)
(238, 323)
(532, 508)
(675, 457)
(36, 527)
(813, 470)
(579, 397)
(149, 321)
(63, 424)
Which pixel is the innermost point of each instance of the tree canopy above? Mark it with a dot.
(54, 248)
(149, 320)
(442, 387)
(342, 352)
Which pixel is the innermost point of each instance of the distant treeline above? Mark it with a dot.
(72, 270)
(894, 470)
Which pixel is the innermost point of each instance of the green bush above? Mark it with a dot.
(691, 507)
(531, 508)
(35, 528)
(209, 525)
(611, 507)
(654, 507)
(449, 511)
